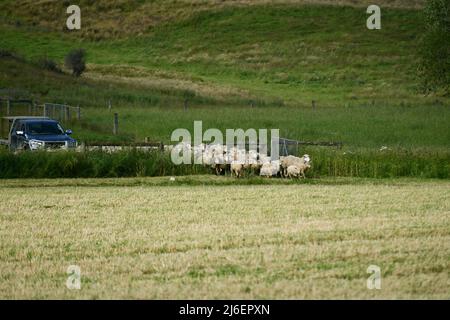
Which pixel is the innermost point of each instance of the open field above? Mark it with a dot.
(280, 241)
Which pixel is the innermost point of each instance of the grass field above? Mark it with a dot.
(276, 56)
(133, 239)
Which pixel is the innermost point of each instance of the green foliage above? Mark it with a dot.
(381, 164)
(91, 164)
(326, 163)
(49, 65)
(4, 53)
(435, 47)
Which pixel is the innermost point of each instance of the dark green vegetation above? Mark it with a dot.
(435, 65)
(386, 164)
(76, 61)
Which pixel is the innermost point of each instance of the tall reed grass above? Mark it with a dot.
(329, 163)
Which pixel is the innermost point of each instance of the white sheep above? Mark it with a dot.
(293, 161)
(266, 170)
(236, 168)
(298, 171)
(199, 152)
(270, 169)
(293, 172)
(237, 158)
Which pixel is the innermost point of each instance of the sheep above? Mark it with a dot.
(292, 161)
(255, 167)
(208, 156)
(303, 168)
(238, 159)
(266, 170)
(236, 168)
(270, 169)
(298, 171)
(276, 167)
(293, 172)
(199, 152)
(220, 164)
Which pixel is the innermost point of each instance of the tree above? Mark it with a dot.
(76, 61)
(435, 47)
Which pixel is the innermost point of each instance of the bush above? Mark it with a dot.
(48, 64)
(330, 163)
(76, 61)
(6, 53)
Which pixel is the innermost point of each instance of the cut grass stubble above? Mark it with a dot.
(308, 241)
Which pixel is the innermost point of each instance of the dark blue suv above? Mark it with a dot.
(39, 133)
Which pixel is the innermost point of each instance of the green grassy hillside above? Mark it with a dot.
(292, 53)
(276, 57)
(104, 19)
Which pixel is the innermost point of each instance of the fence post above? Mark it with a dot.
(314, 104)
(78, 112)
(109, 105)
(8, 107)
(116, 124)
(67, 113)
(45, 110)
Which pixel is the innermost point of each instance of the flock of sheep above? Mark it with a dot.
(238, 161)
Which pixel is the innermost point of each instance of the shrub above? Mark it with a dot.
(6, 53)
(132, 163)
(76, 61)
(48, 64)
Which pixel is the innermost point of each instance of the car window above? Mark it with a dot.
(44, 128)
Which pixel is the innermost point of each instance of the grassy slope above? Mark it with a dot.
(120, 18)
(366, 127)
(292, 53)
(182, 242)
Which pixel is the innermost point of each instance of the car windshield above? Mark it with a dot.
(45, 128)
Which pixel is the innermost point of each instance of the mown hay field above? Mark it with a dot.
(149, 240)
